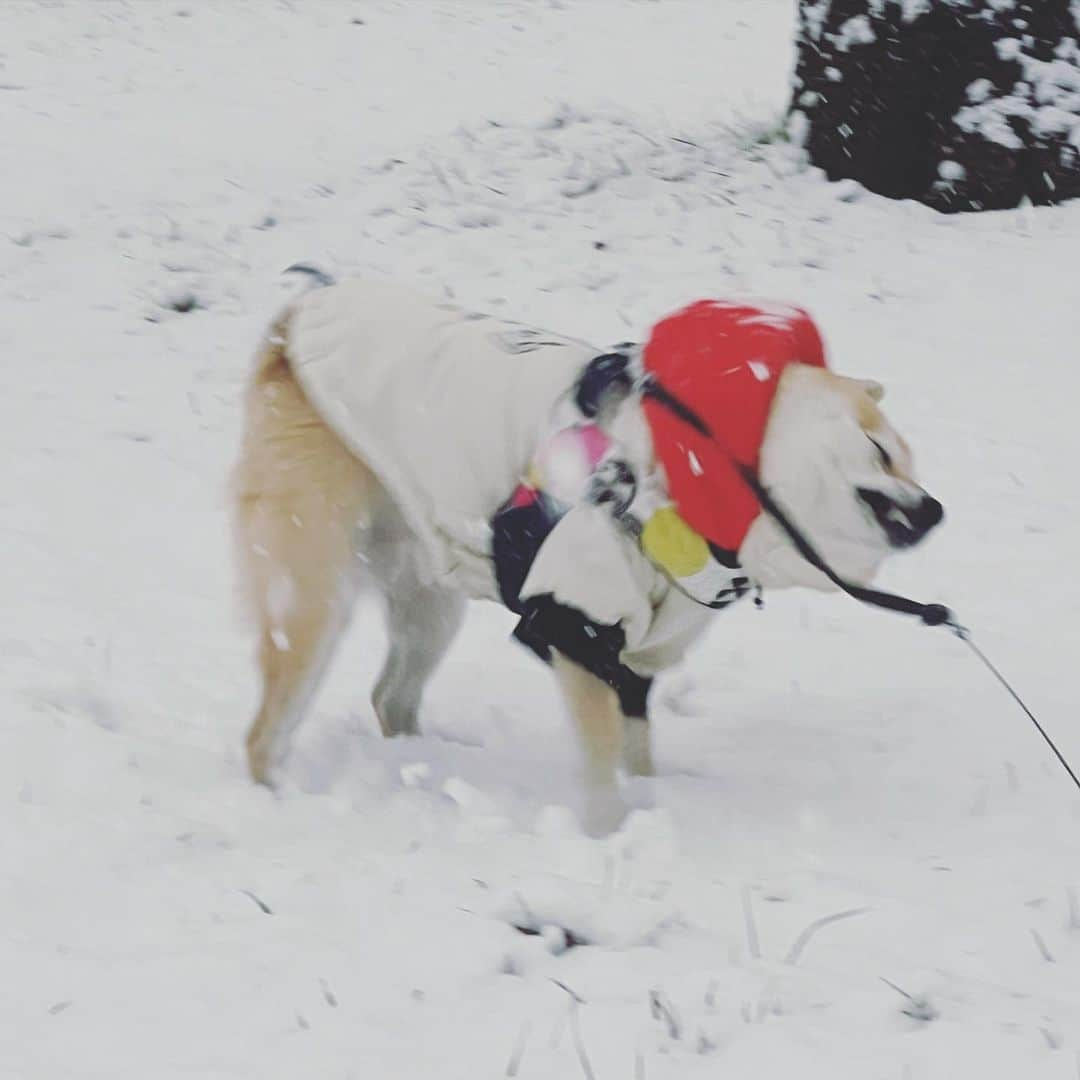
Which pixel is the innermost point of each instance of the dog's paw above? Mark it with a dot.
(396, 722)
(605, 811)
(640, 794)
(261, 773)
(262, 761)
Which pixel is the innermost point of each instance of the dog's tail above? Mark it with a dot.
(272, 359)
(320, 278)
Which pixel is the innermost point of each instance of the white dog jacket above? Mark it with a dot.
(449, 408)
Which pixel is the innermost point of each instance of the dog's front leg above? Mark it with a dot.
(633, 693)
(595, 711)
(637, 746)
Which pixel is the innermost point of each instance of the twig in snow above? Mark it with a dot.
(804, 938)
(579, 1043)
(1074, 908)
(328, 995)
(518, 1054)
(642, 135)
(919, 1007)
(583, 187)
(1047, 955)
(570, 940)
(264, 908)
(751, 926)
(899, 989)
(1053, 1039)
(661, 1009)
(578, 999)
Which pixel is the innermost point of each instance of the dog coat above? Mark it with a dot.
(446, 406)
(452, 411)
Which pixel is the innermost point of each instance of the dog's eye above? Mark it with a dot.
(883, 454)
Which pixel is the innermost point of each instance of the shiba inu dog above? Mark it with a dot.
(438, 456)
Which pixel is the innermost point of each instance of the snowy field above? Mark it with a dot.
(585, 165)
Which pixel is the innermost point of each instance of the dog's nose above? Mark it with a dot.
(904, 523)
(927, 514)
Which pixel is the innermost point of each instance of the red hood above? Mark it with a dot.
(724, 361)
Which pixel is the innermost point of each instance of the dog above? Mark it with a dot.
(439, 455)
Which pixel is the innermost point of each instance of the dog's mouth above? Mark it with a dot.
(904, 525)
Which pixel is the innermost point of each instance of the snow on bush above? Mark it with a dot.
(1046, 102)
(964, 104)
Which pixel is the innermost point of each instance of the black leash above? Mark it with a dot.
(962, 634)
(930, 614)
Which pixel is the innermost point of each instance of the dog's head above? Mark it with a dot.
(845, 477)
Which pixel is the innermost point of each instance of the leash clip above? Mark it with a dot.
(937, 615)
(940, 615)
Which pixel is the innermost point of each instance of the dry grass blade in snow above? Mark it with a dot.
(796, 950)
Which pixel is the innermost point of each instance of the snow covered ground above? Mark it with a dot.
(587, 166)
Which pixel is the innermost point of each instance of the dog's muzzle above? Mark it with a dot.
(904, 524)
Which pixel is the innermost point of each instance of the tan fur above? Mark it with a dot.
(865, 395)
(595, 711)
(298, 496)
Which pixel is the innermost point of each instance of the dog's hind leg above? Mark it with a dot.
(595, 711)
(421, 622)
(299, 497)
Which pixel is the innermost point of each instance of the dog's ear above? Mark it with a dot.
(874, 390)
